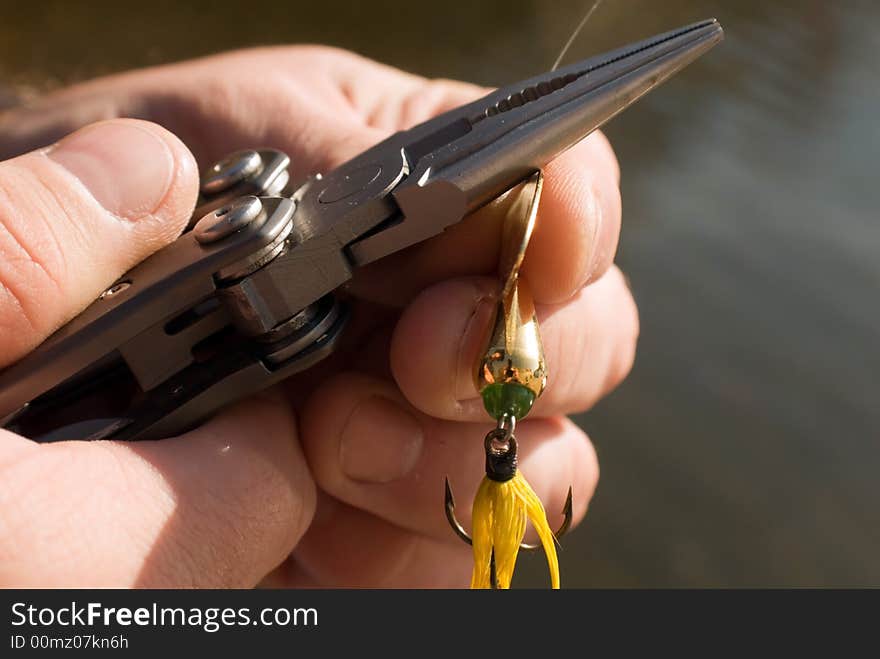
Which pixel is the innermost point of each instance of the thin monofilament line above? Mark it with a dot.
(574, 34)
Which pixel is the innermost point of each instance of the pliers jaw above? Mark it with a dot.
(447, 167)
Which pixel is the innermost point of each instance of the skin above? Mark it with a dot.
(335, 478)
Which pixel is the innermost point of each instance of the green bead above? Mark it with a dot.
(508, 398)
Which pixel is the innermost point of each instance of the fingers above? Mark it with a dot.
(368, 448)
(220, 506)
(589, 345)
(75, 216)
(385, 97)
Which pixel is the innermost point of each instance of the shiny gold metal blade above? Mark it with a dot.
(514, 353)
(517, 231)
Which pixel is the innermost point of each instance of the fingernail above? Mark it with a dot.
(127, 168)
(380, 443)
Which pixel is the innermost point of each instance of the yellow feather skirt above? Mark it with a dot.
(499, 524)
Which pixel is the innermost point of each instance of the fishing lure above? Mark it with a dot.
(510, 376)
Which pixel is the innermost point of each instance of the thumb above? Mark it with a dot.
(76, 215)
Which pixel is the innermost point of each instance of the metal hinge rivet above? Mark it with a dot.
(234, 168)
(227, 219)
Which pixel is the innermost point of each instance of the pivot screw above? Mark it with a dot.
(227, 219)
(233, 169)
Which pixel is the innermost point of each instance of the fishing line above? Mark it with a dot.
(574, 34)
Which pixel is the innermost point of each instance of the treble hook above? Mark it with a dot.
(449, 503)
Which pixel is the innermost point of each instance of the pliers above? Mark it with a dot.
(245, 298)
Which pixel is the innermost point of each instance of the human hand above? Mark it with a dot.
(340, 482)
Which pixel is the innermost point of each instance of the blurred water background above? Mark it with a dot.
(744, 449)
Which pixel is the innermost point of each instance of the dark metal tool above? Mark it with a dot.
(246, 297)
